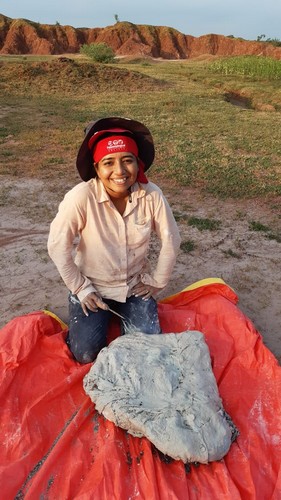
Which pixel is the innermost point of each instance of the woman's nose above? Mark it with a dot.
(119, 167)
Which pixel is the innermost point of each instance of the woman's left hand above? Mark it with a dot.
(145, 291)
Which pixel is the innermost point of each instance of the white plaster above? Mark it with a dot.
(163, 387)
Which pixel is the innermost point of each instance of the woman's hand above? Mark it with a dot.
(93, 301)
(145, 291)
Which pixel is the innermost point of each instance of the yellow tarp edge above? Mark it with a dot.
(49, 313)
(197, 284)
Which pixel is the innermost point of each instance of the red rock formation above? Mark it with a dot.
(20, 36)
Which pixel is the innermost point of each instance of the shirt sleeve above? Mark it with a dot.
(167, 231)
(65, 227)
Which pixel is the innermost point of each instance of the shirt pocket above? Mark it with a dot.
(139, 233)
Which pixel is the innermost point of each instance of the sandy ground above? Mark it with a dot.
(246, 260)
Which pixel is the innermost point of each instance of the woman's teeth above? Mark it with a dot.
(120, 181)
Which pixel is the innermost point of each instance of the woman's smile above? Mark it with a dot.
(119, 181)
(118, 172)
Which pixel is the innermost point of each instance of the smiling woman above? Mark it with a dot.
(117, 172)
(116, 165)
(114, 212)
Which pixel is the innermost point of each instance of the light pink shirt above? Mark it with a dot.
(111, 255)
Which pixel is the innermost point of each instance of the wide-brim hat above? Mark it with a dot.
(99, 128)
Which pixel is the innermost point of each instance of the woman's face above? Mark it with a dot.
(117, 172)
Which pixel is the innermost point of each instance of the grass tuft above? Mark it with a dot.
(204, 224)
(258, 226)
(231, 253)
(187, 246)
(274, 236)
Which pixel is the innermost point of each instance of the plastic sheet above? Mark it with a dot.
(54, 445)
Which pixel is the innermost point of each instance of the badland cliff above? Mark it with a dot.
(20, 36)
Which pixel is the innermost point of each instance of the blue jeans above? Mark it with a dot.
(87, 334)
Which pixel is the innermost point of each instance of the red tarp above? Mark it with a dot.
(54, 445)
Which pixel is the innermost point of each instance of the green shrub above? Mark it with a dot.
(98, 52)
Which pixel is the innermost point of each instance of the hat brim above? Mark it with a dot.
(141, 135)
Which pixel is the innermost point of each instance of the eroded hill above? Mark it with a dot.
(21, 36)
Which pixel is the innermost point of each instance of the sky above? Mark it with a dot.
(247, 19)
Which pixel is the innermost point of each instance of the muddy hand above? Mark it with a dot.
(93, 302)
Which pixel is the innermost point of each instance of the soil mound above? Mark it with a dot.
(21, 36)
(51, 77)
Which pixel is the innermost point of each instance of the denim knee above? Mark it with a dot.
(142, 314)
(87, 334)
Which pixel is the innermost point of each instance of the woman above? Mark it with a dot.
(113, 212)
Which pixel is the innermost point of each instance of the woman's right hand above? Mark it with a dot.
(93, 301)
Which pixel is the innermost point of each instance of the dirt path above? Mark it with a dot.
(247, 260)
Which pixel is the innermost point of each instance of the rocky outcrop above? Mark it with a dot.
(20, 36)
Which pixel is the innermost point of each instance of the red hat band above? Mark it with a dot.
(114, 144)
